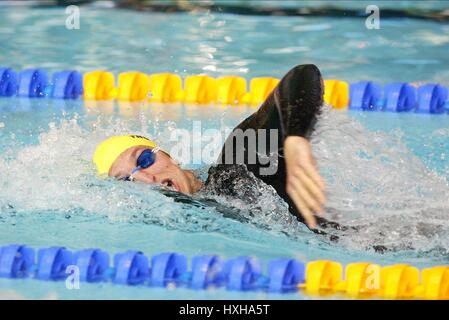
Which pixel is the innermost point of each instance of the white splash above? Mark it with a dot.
(374, 183)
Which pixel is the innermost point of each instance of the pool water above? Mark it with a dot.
(386, 173)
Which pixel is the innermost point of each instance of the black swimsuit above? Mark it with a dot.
(292, 109)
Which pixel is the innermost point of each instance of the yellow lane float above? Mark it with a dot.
(165, 87)
(259, 90)
(399, 281)
(362, 280)
(200, 89)
(133, 86)
(322, 276)
(98, 85)
(336, 93)
(231, 90)
(434, 284)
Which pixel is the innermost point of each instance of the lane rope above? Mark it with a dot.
(171, 269)
(133, 86)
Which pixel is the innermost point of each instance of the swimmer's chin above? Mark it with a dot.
(172, 189)
(162, 187)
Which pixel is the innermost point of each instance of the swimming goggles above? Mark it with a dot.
(145, 160)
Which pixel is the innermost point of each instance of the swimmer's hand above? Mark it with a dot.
(304, 183)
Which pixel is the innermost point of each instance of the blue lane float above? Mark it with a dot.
(399, 97)
(93, 264)
(243, 274)
(32, 83)
(207, 271)
(285, 274)
(131, 268)
(8, 82)
(53, 263)
(166, 269)
(364, 95)
(67, 85)
(432, 98)
(16, 261)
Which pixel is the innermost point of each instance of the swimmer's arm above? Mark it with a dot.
(304, 183)
(298, 98)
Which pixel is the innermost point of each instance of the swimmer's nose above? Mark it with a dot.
(167, 183)
(171, 180)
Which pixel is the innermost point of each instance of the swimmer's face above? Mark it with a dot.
(164, 171)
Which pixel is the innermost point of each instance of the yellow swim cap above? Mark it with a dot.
(110, 149)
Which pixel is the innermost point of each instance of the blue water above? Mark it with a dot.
(342, 4)
(386, 172)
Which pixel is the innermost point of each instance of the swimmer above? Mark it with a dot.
(291, 109)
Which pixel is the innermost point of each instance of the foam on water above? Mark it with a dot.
(377, 185)
(374, 183)
(57, 175)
